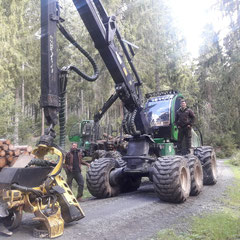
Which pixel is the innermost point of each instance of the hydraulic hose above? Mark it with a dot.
(62, 120)
(84, 52)
(63, 81)
(132, 125)
(62, 99)
(125, 123)
(26, 189)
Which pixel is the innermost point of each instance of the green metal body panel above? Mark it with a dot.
(76, 134)
(76, 139)
(174, 130)
(87, 145)
(158, 140)
(167, 149)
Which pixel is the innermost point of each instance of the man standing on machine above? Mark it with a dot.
(184, 121)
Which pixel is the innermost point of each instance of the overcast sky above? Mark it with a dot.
(191, 16)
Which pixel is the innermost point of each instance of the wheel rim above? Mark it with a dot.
(214, 166)
(184, 179)
(111, 178)
(198, 174)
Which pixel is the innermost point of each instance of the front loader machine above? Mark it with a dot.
(38, 188)
(174, 177)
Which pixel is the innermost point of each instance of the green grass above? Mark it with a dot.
(169, 234)
(235, 160)
(221, 225)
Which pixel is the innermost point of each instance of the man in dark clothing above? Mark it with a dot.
(72, 166)
(184, 121)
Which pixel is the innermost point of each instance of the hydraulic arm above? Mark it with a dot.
(53, 79)
(49, 71)
(102, 29)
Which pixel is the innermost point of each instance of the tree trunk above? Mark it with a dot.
(35, 113)
(23, 96)
(66, 108)
(42, 131)
(157, 80)
(16, 125)
(82, 103)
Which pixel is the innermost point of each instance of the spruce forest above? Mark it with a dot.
(210, 83)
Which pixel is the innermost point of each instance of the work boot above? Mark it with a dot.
(5, 231)
(79, 199)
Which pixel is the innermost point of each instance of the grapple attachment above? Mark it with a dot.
(38, 188)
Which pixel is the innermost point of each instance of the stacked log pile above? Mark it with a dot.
(10, 153)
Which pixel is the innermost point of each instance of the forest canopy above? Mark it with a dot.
(210, 83)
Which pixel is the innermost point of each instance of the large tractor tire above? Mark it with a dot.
(98, 176)
(196, 173)
(207, 156)
(98, 154)
(171, 179)
(113, 154)
(116, 155)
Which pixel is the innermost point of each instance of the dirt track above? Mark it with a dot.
(137, 215)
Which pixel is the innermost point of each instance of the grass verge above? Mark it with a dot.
(220, 225)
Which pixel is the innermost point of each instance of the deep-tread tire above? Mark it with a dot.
(116, 155)
(171, 179)
(98, 154)
(207, 156)
(98, 178)
(113, 154)
(13, 220)
(130, 184)
(196, 173)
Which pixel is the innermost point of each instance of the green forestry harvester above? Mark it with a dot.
(153, 133)
(83, 134)
(174, 177)
(94, 140)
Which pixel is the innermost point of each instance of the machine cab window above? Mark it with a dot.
(158, 111)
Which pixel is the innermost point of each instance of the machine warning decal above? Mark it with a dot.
(125, 71)
(119, 58)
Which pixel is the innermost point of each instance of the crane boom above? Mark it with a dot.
(102, 29)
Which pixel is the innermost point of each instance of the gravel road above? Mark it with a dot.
(136, 215)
